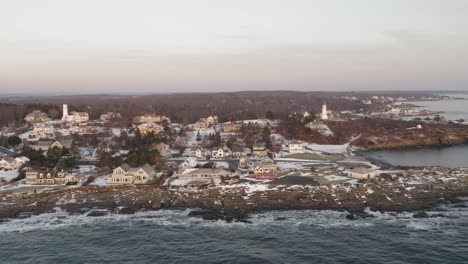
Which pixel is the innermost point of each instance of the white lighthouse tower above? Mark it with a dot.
(324, 115)
(65, 113)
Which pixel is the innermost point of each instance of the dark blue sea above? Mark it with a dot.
(169, 236)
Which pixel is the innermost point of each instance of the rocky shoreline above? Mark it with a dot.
(236, 202)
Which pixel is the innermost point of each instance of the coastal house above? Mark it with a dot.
(296, 146)
(50, 177)
(10, 163)
(219, 152)
(239, 150)
(125, 174)
(361, 173)
(204, 174)
(45, 145)
(265, 166)
(190, 162)
(200, 152)
(259, 151)
(231, 128)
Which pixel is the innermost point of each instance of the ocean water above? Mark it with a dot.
(449, 156)
(452, 109)
(169, 236)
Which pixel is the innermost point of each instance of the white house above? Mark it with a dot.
(296, 146)
(128, 175)
(219, 152)
(200, 153)
(10, 163)
(74, 117)
(50, 177)
(265, 166)
(212, 120)
(204, 174)
(36, 116)
(190, 162)
(361, 173)
(324, 115)
(42, 131)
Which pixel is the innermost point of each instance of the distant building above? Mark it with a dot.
(296, 146)
(50, 144)
(74, 117)
(85, 130)
(239, 150)
(109, 116)
(245, 163)
(201, 125)
(265, 166)
(259, 151)
(200, 153)
(151, 118)
(231, 128)
(42, 131)
(190, 162)
(10, 163)
(219, 152)
(204, 174)
(361, 173)
(146, 128)
(324, 115)
(36, 116)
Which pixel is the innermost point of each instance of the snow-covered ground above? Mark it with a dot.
(116, 131)
(340, 149)
(100, 181)
(8, 175)
(86, 169)
(25, 135)
(336, 178)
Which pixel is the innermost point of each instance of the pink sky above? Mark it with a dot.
(176, 46)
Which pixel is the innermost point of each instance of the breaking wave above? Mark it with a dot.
(442, 218)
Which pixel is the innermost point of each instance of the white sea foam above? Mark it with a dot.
(287, 219)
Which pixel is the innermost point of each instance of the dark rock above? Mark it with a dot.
(96, 213)
(350, 217)
(421, 215)
(23, 215)
(280, 218)
(208, 215)
(126, 211)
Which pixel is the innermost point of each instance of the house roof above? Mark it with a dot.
(361, 170)
(295, 142)
(207, 171)
(148, 168)
(8, 159)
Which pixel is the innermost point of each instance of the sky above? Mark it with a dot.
(153, 46)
